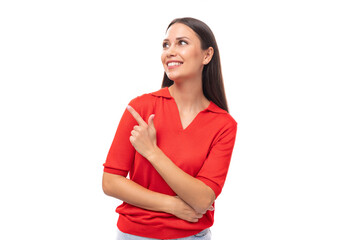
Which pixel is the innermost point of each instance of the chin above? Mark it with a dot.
(174, 77)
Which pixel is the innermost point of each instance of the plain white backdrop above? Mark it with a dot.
(291, 71)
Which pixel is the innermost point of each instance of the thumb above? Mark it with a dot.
(151, 121)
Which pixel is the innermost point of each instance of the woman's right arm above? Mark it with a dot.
(132, 193)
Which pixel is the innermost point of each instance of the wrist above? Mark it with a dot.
(154, 154)
(168, 204)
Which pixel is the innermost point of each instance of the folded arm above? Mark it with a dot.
(193, 191)
(132, 193)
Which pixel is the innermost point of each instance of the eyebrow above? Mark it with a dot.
(178, 38)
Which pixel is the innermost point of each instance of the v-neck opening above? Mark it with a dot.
(179, 117)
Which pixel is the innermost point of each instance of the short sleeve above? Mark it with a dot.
(121, 154)
(214, 170)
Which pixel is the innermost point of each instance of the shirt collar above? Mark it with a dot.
(214, 108)
(164, 92)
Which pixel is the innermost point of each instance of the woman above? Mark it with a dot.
(176, 143)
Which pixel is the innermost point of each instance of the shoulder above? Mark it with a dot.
(222, 117)
(229, 125)
(141, 100)
(146, 102)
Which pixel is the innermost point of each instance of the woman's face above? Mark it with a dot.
(182, 56)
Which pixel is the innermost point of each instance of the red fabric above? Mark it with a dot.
(203, 150)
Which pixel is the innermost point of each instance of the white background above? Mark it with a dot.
(291, 70)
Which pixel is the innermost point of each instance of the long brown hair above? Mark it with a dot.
(212, 80)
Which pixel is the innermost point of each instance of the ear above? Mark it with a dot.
(208, 55)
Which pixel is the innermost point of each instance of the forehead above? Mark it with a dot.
(180, 30)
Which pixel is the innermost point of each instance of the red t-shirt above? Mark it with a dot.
(203, 150)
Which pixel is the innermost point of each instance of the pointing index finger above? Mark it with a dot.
(137, 117)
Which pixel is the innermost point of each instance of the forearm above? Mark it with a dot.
(135, 194)
(130, 192)
(193, 191)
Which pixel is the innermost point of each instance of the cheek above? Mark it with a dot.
(162, 57)
(192, 55)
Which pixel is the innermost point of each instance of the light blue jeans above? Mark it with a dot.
(203, 235)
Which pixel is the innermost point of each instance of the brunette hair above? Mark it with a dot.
(212, 80)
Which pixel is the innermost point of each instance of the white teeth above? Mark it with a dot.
(174, 64)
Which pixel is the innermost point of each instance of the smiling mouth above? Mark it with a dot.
(172, 64)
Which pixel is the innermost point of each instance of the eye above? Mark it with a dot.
(165, 44)
(182, 42)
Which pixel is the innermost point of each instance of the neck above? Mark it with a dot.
(189, 96)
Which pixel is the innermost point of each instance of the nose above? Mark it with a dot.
(171, 51)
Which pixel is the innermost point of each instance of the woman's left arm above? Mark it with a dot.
(193, 191)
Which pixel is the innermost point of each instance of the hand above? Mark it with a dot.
(143, 136)
(183, 211)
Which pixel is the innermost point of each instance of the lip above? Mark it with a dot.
(171, 67)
